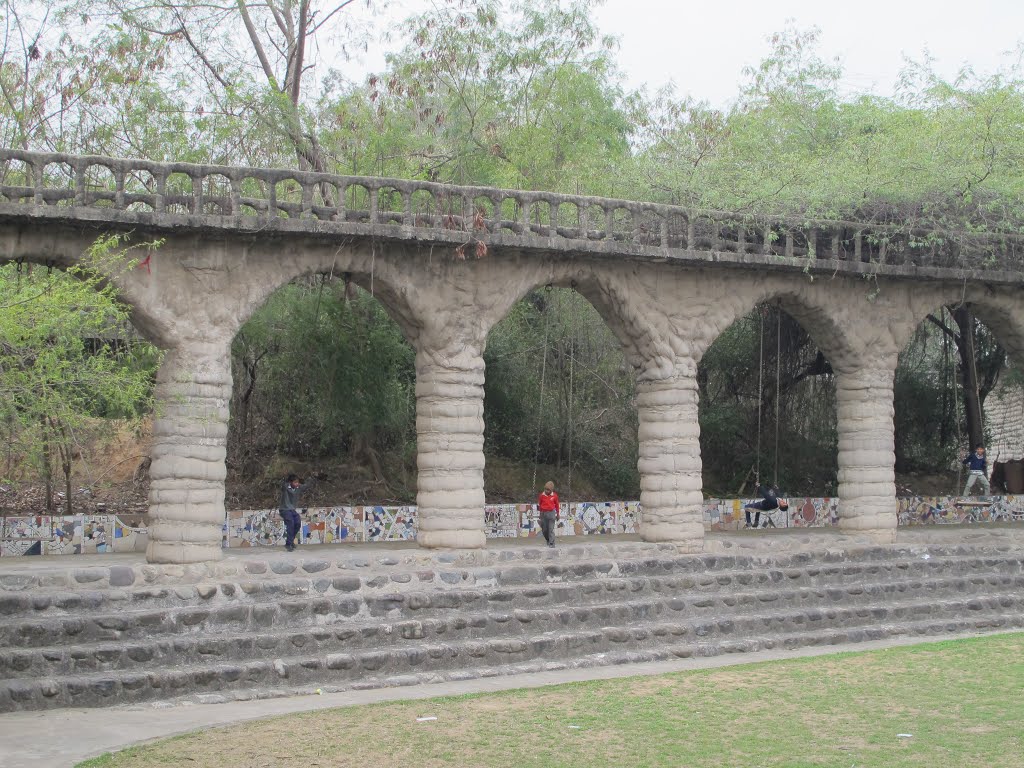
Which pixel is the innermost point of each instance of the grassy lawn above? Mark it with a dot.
(962, 701)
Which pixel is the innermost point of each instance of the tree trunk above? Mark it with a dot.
(66, 466)
(969, 376)
(47, 466)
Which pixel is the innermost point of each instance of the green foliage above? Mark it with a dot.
(320, 370)
(512, 95)
(559, 392)
(69, 359)
(738, 385)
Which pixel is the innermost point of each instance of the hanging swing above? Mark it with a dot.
(783, 503)
(571, 396)
(572, 383)
(540, 403)
(956, 398)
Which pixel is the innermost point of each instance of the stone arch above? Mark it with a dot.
(207, 290)
(1000, 309)
(606, 287)
(815, 318)
(356, 265)
(59, 249)
(825, 319)
(621, 294)
(859, 327)
(582, 339)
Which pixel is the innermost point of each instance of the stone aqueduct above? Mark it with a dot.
(667, 280)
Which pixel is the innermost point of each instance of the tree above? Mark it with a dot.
(68, 360)
(321, 370)
(250, 60)
(515, 95)
(73, 93)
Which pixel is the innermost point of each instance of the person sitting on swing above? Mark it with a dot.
(977, 470)
(769, 501)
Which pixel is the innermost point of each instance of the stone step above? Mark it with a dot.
(349, 636)
(378, 569)
(406, 662)
(104, 572)
(303, 612)
(50, 603)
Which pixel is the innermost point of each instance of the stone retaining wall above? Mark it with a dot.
(105, 533)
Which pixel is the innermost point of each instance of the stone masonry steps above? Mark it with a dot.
(281, 573)
(318, 610)
(98, 640)
(271, 563)
(373, 634)
(930, 629)
(234, 633)
(402, 663)
(43, 603)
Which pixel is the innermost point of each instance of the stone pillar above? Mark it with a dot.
(450, 445)
(867, 455)
(670, 467)
(186, 493)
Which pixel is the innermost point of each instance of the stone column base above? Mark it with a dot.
(181, 552)
(879, 535)
(452, 539)
(688, 538)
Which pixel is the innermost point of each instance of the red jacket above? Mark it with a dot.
(547, 502)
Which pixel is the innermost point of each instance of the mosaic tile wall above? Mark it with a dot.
(509, 521)
(923, 510)
(68, 535)
(258, 528)
(101, 533)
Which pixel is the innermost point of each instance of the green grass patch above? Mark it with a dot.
(962, 701)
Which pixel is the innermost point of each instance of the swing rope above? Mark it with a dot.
(540, 405)
(778, 387)
(572, 367)
(760, 399)
(956, 407)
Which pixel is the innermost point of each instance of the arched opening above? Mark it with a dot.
(323, 387)
(559, 406)
(957, 386)
(77, 378)
(767, 412)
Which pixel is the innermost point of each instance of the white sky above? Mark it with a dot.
(703, 46)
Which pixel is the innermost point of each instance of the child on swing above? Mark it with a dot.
(769, 500)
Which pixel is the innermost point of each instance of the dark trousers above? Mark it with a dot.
(292, 524)
(760, 506)
(547, 526)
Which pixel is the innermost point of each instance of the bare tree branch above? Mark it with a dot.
(257, 46)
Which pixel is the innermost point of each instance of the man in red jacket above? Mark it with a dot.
(547, 505)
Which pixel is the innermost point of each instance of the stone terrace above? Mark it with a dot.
(269, 623)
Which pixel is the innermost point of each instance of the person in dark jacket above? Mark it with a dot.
(769, 501)
(977, 470)
(287, 507)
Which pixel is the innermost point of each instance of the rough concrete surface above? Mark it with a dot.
(666, 280)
